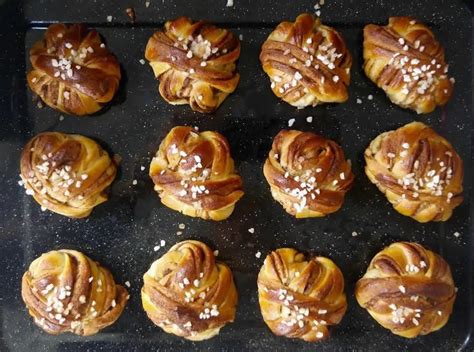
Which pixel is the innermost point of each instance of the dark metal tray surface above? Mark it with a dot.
(122, 232)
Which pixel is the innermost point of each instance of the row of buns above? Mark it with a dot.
(307, 62)
(193, 172)
(407, 289)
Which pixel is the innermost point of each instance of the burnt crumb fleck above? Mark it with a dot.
(117, 159)
(131, 14)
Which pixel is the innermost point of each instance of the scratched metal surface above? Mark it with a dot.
(122, 232)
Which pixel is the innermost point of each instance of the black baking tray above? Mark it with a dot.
(122, 232)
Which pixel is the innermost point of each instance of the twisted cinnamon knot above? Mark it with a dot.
(194, 174)
(419, 172)
(407, 289)
(195, 63)
(188, 294)
(65, 291)
(407, 62)
(307, 173)
(73, 71)
(66, 173)
(300, 298)
(308, 63)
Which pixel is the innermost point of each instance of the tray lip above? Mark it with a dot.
(23, 26)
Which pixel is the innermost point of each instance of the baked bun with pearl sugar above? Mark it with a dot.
(419, 172)
(407, 289)
(66, 173)
(73, 71)
(308, 174)
(308, 63)
(195, 63)
(188, 293)
(66, 291)
(194, 174)
(407, 62)
(300, 298)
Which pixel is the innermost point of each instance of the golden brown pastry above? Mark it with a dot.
(195, 63)
(65, 291)
(66, 173)
(300, 298)
(407, 62)
(73, 71)
(308, 63)
(308, 174)
(187, 293)
(194, 174)
(407, 289)
(419, 172)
